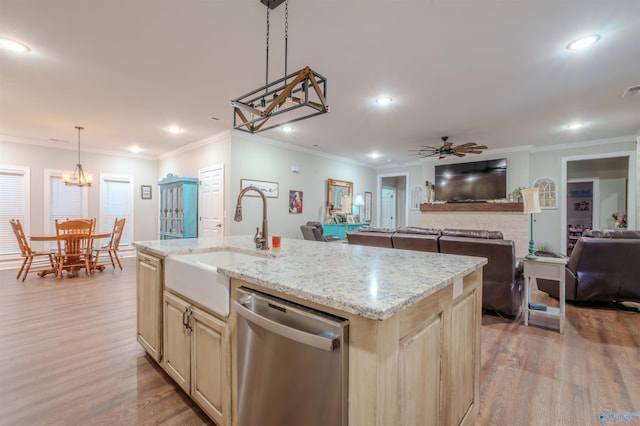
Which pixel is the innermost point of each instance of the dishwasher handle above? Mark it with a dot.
(309, 339)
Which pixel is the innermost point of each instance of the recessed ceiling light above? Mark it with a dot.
(13, 45)
(383, 100)
(574, 126)
(175, 130)
(375, 155)
(287, 129)
(135, 149)
(583, 42)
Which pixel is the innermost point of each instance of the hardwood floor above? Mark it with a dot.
(68, 356)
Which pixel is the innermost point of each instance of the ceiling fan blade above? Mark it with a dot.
(480, 147)
(441, 157)
(457, 154)
(468, 144)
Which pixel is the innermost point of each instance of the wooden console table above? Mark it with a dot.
(340, 229)
(550, 268)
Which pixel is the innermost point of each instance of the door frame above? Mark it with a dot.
(631, 194)
(379, 196)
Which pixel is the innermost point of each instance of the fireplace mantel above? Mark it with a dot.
(473, 207)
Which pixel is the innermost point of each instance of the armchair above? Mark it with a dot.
(317, 230)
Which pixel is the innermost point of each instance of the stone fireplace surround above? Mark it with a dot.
(509, 218)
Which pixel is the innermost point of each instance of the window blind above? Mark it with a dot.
(116, 203)
(13, 193)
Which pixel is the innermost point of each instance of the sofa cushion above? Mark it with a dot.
(416, 230)
(472, 233)
(368, 238)
(374, 229)
(608, 233)
(415, 241)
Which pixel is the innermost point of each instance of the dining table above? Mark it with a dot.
(55, 238)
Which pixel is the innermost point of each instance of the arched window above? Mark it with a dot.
(548, 192)
(416, 197)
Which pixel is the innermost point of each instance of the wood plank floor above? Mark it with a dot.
(68, 356)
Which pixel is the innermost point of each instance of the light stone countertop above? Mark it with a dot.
(372, 282)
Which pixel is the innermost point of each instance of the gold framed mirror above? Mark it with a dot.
(336, 189)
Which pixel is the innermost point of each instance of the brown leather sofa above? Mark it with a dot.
(604, 266)
(502, 282)
(370, 236)
(411, 238)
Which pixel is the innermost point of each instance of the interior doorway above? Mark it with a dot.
(393, 201)
(611, 174)
(388, 207)
(211, 202)
(582, 200)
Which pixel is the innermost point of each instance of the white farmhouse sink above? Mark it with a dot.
(196, 276)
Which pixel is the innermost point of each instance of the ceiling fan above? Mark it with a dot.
(448, 148)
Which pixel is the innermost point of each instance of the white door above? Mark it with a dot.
(211, 202)
(388, 208)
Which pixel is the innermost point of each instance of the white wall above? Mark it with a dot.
(38, 158)
(254, 157)
(548, 163)
(612, 200)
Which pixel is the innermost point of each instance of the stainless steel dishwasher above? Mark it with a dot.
(292, 363)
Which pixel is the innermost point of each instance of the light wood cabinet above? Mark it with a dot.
(196, 355)
(149, 284)
(418, 367)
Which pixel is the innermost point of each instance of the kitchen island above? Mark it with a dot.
(414, 322)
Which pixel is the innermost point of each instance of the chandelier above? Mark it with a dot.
(78, 178)
(294, 97)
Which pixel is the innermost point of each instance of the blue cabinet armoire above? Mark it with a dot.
(178, 207)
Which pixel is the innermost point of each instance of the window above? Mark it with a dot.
(14, 193)
(547, 187)
(116, 201)
(62, 202)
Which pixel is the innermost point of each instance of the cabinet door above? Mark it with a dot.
(465, 358)
(210, 367)
(176, 340)
(149, 304)
(420, 382)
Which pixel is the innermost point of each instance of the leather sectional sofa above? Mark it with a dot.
(604, 266)
(502, 281)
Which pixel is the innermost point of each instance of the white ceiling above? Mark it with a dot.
(493, 72)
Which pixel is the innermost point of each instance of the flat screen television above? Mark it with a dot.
(475, 181)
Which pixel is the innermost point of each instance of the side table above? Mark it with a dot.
(550, 268)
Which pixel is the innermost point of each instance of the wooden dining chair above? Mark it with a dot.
(37, 260)
(111, 249)
(74, 239)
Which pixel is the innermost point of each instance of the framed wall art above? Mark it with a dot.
(145, 192)
(295, 201)
(269, 189)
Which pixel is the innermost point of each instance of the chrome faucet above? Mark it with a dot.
(261, 238)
